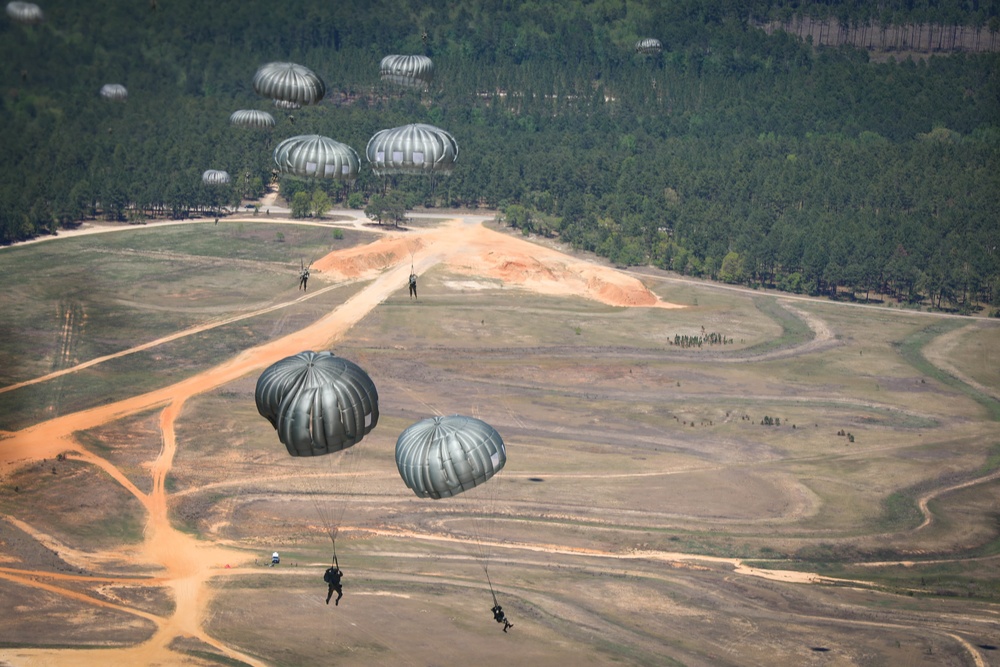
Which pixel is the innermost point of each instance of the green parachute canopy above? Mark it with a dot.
(440, 457)
(318, 402)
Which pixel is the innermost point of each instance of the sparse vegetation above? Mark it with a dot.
(618, 445)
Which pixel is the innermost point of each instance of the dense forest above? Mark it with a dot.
(735, 153)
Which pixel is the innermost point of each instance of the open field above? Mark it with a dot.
(820, 489)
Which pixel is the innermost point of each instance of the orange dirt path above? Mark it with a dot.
(185, 563)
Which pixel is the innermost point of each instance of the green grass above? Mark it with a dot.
(794, 330)
(119, 528)
(85, 297)
(963, 579)
(93, 442)
(992, 461)
(162, 365)
(911, 348)
(254, 241)
(76, 504)
(900, 511)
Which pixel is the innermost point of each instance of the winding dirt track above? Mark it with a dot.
(186, 564)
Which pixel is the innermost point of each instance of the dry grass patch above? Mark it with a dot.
(74, 503)
(39, 618)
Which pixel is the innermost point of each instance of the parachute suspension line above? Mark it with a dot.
(412, 247)
(336, 564)
(484, 508)
(490, 583)
(324, 513)
(481, 505)
(332, 491)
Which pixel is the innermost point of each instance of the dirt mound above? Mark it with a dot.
(542, 270)
(482, 252)
(368, 260)
(621, 295)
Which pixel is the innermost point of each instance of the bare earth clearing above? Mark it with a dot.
(646, 515)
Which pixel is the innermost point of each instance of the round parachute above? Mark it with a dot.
(114, 91)
(440, 457)
(25, 12)
(286, 105)
(412, 149)
(253, 119)
(289, 82)
(454, 457)
(407, 71)
(315, 156)
(318, 403)
(215, 177)
(648, 46)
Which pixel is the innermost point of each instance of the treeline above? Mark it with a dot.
(733, 154)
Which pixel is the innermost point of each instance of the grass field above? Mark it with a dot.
(853, 443)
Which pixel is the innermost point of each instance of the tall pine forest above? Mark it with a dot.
(739, 154)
